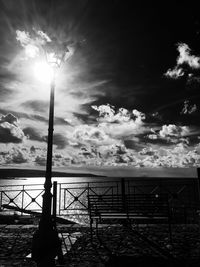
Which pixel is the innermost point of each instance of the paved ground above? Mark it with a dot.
(117, 245)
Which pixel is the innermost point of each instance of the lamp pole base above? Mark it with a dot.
(46, 244)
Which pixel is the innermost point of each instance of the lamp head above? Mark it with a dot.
(56, 53)
(43, 72)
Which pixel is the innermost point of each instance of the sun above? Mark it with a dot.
(43, 72)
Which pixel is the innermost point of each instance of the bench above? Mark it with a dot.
(132, 208)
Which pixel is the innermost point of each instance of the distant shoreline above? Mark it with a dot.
(30, 173)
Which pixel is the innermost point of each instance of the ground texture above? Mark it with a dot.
(116, 246)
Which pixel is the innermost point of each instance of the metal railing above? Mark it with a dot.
(72, 196)
(22, 196)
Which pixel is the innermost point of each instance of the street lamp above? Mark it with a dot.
(46, 244)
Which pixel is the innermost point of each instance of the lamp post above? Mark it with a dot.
(46, 243)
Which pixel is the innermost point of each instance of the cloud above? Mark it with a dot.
(10, 118)
(168, 135)
(188, 108)
(193, 82)
(119, 124)
(111, 128)
(33, 134)
(147, 151)
(131, 143)
(172, 130)
(184, 57)
(25, 115)
(10, 132)
(32, 44)
(107, 113)
(36, 105)
(60, 141)
(16, 156)
(40, 160)
(89, 134)
(174, 157)
(175, 73)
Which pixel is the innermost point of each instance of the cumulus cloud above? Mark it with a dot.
(10, 131)
(16, 156)
(184, 57)
(174, 73)
(188, 108)
(113, 129)
(169, 134)
(147, 151)
(121, 123)
(107, 113)
(172, 130)
(40, 160)
(89, 134)
(177, 156)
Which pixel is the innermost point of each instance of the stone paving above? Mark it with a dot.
(15, 245)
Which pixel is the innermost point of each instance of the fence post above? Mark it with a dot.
(123, 192)
(198, 184)
(54, 199)
(22, 199)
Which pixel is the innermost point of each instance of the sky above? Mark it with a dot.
(127, 94)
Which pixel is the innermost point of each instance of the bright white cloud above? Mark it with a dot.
(119, 124)
(175, 73)
(184, 57)
(172, 130)
(107, 113)
(38, 37)
(88, 134)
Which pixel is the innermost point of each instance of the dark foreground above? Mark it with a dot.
(117, 246)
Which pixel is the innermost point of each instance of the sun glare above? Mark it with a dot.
(43, 72)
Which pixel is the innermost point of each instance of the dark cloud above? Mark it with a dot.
(60, 141)
(193, 83)
(7, 135)
(9, 118)
(85, 118)
(10, 132)
(17, 157)
(37, 105)
(32, 149)
(5, 93)
(33, 134)
(24, 115)
(60, 121)
(132, 144)
(40, 160)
